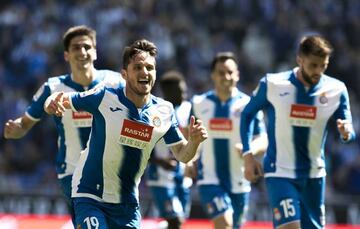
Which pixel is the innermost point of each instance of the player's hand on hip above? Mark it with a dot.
(197, 131)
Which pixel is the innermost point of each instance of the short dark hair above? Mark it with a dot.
(222, 57)
(315, 45)
(137, 47)
(171, 77)
(80, 30)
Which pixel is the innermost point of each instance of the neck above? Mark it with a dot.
(224, 95)
(138, 100)
(299, 76)
(83, 78)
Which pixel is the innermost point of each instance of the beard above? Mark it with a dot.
(309, 79)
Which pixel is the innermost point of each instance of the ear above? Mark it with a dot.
(124, 73)
(299, 60)
(212, 76)
(66, 56)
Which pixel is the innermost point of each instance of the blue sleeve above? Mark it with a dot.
(259, 125)
(89, 100)
(257, 102)
(343, 112)
(174, 134)
(36, 108)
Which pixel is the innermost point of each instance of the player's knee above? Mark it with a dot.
(224, 220)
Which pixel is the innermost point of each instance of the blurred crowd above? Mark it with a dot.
(188, 33)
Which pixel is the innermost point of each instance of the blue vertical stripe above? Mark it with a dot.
(95, 182)
(60, 156)
(302, 134)
(271, 155)
(129, 167)
(221, 146)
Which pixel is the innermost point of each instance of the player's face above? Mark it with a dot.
(140, 74)
(311, 68)
(81, 54)
(225, 75)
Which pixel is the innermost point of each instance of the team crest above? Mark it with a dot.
(277, 214)
(210, 208)
(323, 99)
(237, 112)
(156, 121)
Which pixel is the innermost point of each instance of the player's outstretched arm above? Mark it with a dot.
(57, 103)
(15, 129)
(186, 150)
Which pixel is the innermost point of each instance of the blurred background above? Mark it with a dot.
(188, 33)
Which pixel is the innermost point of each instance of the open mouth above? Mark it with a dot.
(143, 81)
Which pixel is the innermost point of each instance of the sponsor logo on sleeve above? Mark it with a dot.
(135, 134)
(82, 119)
(302, 115)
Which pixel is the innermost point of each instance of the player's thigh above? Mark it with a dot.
(65, 184)
(122, 216)
(240, 203)
(91, 214)
(184, 195)
(215, 200)
(313, 201)
(284, 197)
(88, 215)
(167, 202)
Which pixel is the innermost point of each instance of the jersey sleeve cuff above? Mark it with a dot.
(247, 152)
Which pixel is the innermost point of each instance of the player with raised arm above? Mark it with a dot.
(73, 127)
(127, 123)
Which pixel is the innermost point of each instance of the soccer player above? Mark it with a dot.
(223, 189)
(74, 127)
(127, 123)
(169, 187)
(299, 104)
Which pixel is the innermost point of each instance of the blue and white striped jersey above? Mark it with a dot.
(121, 141)
(74, 127)
(219, 162)
(158, 176)
(297, 122)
